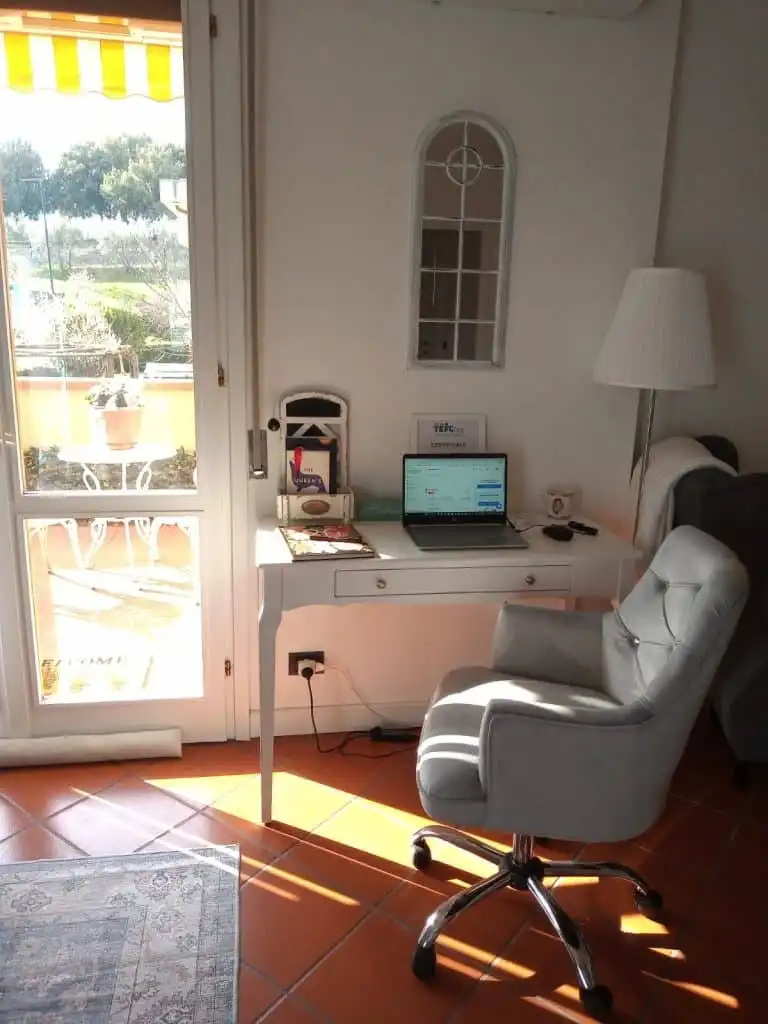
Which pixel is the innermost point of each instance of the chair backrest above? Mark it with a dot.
(662, 646)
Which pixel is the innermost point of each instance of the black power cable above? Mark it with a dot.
(341, 747)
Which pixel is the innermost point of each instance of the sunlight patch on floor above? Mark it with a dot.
(714, 995)
(313, 887)
(558, 1010)
(638, 924)
(512, 968)
(670, 953)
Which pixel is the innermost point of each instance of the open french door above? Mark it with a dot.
(117, 348)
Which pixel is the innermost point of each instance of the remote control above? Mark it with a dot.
(589, 531)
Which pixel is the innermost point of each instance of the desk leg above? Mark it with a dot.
(270, 613)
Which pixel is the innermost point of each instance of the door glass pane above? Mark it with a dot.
(94, 197)
(116, 608)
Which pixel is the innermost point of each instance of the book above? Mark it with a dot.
(307, 541)
(311, 465)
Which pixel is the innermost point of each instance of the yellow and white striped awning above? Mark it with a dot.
(73, 53)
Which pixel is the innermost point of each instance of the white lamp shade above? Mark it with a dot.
(661, 336)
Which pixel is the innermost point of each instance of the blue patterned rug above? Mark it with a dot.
(146, 939)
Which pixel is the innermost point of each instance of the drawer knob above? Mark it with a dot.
(381, 584)
(530, 579)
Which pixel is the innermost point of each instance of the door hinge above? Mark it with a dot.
(227, 668)
(222, 377)
(213, 26)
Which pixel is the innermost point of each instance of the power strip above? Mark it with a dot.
(381, 734)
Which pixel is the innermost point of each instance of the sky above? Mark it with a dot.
(53, 122)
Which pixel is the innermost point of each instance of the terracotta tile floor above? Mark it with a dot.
(330, 905)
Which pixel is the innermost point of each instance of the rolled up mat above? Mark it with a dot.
(116, 746)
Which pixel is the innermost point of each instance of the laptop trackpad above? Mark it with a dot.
(464, 538)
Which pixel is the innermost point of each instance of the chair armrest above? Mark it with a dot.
(540, 643)
(570, 780)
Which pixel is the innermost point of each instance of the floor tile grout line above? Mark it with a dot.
(137, 849)
(35, 822)
(738, 819)
(371, 910)
(155, 789)
(292, 988)
(486, 973)
(279, 991)
(311, 1011)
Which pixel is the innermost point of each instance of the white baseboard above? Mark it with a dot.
(341, 718)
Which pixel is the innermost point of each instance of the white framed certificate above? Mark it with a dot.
(447, 433)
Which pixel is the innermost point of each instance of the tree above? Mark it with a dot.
(65, 240)
(134, 191)
(77, 180)
(117, 178)
(155, 257)
(18, 234)
(19, 160)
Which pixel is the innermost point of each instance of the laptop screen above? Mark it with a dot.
(454, 488)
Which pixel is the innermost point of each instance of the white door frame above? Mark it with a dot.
(235, 120)
(215, 96)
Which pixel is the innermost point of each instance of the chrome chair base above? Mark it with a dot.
(520, 869)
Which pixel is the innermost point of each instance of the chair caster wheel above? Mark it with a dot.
(421, 856)
(597, 1001)
(424, 963)
(649, 904)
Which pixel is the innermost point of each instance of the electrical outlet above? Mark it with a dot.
(296, 656)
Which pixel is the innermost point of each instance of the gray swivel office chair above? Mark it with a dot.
(575, 733)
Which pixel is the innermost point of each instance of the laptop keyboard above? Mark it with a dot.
(463, 535)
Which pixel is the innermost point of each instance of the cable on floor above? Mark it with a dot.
(341, 746)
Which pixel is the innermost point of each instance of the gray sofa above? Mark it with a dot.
(734, 510)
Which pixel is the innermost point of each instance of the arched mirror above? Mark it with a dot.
(462, 250)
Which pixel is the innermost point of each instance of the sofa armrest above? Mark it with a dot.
(540, 643)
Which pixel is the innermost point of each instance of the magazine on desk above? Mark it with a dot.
(318, 541)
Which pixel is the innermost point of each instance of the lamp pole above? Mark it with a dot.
(44, 211)
(643, 468)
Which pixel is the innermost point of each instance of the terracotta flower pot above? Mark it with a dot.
(118, 428)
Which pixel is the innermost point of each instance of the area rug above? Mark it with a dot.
(144, 939)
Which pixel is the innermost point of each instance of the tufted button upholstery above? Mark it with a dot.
(659, 618)
(575, 729)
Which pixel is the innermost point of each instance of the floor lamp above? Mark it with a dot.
(660, 340)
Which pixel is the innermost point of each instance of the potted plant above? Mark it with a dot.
(117, 408)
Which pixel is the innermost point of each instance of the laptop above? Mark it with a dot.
(457, 502)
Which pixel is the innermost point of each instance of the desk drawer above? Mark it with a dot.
(492, 579)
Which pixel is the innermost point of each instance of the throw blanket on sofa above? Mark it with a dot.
(668, 462)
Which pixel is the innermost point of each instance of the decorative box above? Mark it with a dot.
(315, 416)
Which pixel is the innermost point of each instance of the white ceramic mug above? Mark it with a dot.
(559, 502)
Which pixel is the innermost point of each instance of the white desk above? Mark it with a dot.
(601, 566)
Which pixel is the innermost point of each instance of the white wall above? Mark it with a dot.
(716, 215)
(349, 86)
